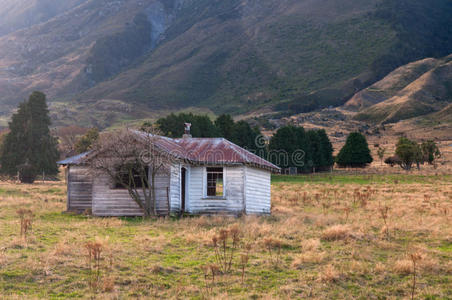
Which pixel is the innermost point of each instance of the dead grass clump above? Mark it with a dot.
(309, 257)
(108, 284)
(158, 269)
(379, 268)
(201, 221)
(403, 267)
(358, 267)
(254, 229)
(429, 264)
(336, 232)
(329, 274)
(311, 245)
(62, 248)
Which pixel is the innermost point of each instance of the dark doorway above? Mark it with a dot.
(183, 192)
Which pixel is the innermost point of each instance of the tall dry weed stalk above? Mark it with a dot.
(273, 247)
(26, 220)
(225, 245)
(362, 197)
(210, 271)
(384, 214)
(95, 249)
(347, 210)
(244, 258)
(415, 257)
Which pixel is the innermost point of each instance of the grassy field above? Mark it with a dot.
(328, 237)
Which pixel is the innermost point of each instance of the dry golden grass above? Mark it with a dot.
(321, 242)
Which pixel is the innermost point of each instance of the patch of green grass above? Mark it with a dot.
(13, 192)
(343, 179)
(446, 247)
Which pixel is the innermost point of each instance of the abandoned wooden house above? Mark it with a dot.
(209, 176)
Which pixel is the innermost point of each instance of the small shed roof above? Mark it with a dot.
(74, 160)
(206, 151)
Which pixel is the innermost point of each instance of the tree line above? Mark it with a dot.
(409, 153)
(290, 147)
(29, 147)
(240, 133)
(306, 150)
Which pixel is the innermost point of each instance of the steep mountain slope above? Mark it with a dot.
(229, 56)
(417, 89)
(55, 56)
(445, 115)
(392, 84)
(15, 15)
(240, 56)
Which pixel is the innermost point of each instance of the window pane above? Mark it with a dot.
(215, 185)
(219, 187)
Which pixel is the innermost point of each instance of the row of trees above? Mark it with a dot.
(29, 147)
(409, 153)
(240, 133)
(308, 151)
(290, 147)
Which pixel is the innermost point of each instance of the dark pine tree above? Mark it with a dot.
(29, 140)
(225, 126)
(202, 127)
(244, 136)
(355, 153)
(327, 150)
(173, 125)
(316, 151)
(282, 146)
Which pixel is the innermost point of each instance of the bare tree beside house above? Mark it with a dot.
(132, 160)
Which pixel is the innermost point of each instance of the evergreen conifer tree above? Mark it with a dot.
(355, 153)
(225, 125)
(327, 150)
(29, 140)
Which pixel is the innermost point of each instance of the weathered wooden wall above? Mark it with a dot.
(175, 188)
(108, 201)
(233, 202)
(79, 189)
(258, 191)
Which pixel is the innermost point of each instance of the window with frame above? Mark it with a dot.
(215, 182)
(136, 179)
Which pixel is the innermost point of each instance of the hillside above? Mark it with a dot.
(417, 89)
(16, 15)
(231, 56)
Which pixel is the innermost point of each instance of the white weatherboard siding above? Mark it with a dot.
(232, 202)
(175, 188)
(258, 191)
(108, 201)
(79, 189)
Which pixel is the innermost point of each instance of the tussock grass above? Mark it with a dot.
(320, 242)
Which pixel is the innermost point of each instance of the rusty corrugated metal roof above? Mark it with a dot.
(220, 151)
(210, 151)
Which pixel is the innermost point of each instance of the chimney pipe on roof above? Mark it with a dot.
(187, 131)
